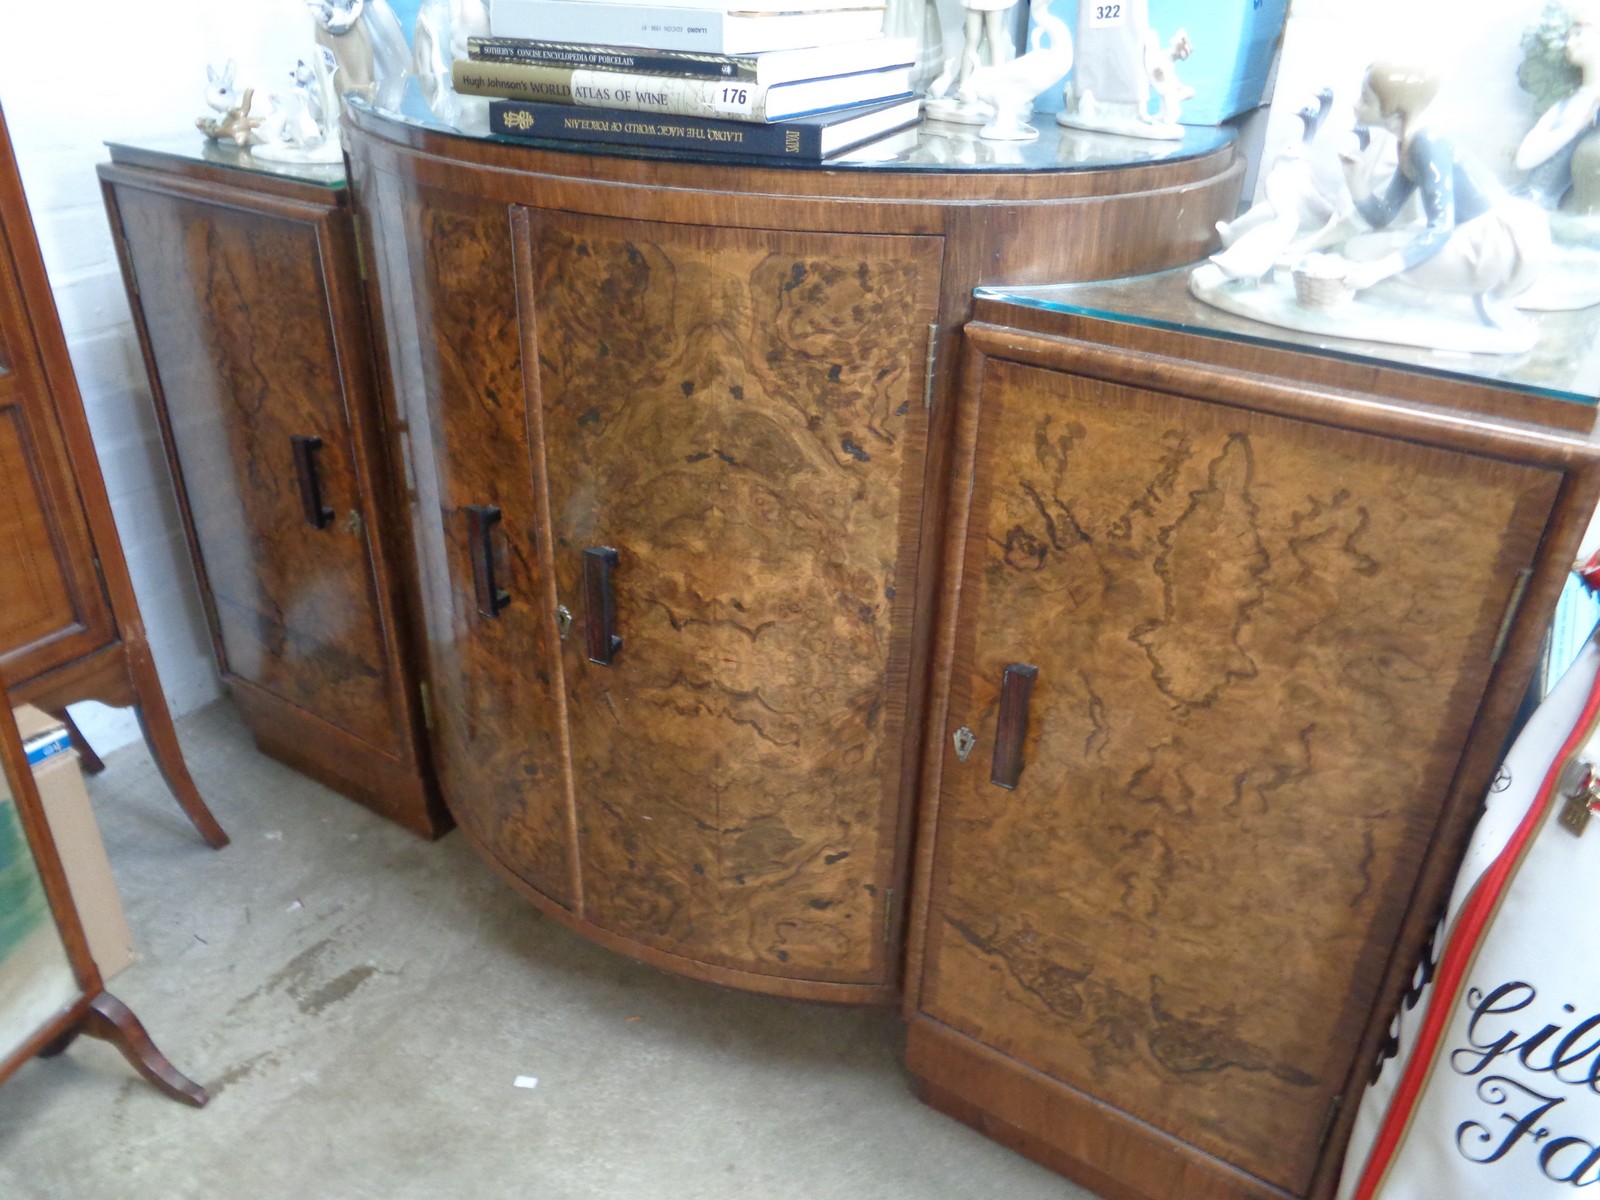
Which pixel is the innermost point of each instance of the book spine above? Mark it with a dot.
(604, 58)
(651, 25)
(728, 100)
(46, 745)
(700, 135)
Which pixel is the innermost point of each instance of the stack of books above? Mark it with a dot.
(791, 79)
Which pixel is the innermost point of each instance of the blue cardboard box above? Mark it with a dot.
(1232, 46)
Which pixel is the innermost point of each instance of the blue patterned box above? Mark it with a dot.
(1232, 44)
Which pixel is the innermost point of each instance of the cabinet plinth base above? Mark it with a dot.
(824, 991)
(1115, 1156)
(336, 760)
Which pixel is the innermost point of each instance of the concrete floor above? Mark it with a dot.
(360, 1004)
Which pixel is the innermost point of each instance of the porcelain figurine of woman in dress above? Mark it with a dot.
(985, 42)
(919, 20)
(1476, 240)
(1550, 147)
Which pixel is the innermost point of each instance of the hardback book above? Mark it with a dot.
(804, 139)
(710, 30)
(730, 99)
(774, 66)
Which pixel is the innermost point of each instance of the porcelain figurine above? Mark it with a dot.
(367, 46)
(304, 126)
(1476, 239)
(1010, 88)
(440, 37)
(234, 124)
(918, 19)
(985, 42)
(1161, 64)
(1120, 62)
(1475, 252)
(1561, 152)
(1564, 142)
(222, 92)
(1295, 206)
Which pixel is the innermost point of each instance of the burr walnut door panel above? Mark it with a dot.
(237, 315)
(1260, 644)
(739, 416)
(53, 606)
(455, 361)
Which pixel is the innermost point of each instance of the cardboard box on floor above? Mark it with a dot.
(77, 837)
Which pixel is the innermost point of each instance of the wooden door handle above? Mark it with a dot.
(1011, 730)
(600, 614)
(481, 520)
(305, 450)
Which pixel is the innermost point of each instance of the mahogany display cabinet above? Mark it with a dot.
(70, 627)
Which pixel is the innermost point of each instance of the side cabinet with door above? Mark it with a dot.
(668, 431)
(247, 296)
(1231, 642)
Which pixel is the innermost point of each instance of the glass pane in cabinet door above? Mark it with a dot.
(36, 978)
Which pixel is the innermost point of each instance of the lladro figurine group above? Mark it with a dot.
(1484, 251)
(360, 49)
(1124, 79)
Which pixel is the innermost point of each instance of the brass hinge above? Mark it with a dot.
(427, 707)
(361, 246)
(1510, 616)
(927, 367)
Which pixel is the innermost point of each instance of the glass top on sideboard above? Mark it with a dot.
(926, 146)
(194, 146)
(1563, 363)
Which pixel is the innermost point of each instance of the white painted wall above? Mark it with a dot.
(71, 78)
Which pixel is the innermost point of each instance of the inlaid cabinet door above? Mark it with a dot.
(236, 313)
(487, 623)
(733, 435)
(1212, 672)
(52, 603)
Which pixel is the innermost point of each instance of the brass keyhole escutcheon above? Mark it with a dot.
(965, 740)
(352, 523)
(563, 620)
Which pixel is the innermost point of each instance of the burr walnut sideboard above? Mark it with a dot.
(674, 441)
(70, 627)
(744, 551)
(245, 283)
